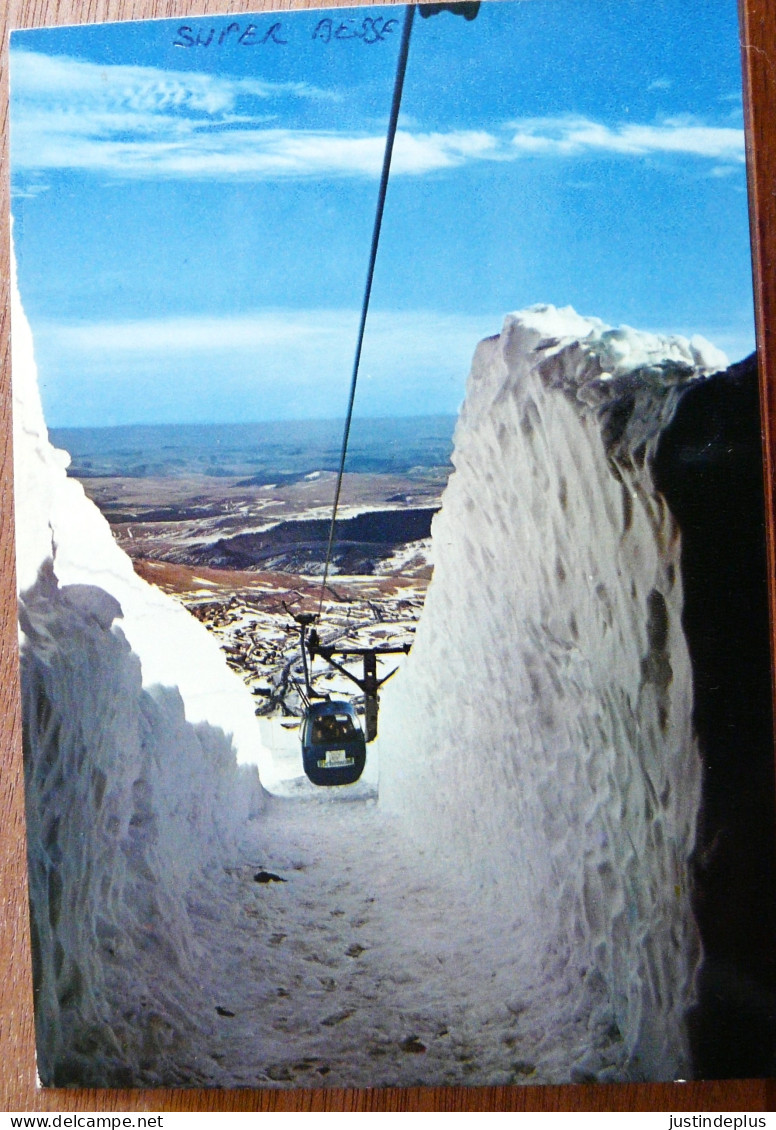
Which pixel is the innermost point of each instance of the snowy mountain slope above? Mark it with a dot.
(540, 734)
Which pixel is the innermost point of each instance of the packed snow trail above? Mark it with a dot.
(360, 963)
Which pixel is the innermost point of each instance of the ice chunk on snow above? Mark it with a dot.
(620, 348)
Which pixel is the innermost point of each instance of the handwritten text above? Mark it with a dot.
(369, 30)
(246, 36)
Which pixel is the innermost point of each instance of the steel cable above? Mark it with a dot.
(401, 67)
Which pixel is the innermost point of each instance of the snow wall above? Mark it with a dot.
(540, 734)
(133, 727)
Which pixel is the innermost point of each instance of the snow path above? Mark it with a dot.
(358, 970)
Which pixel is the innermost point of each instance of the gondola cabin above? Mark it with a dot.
(333, 745)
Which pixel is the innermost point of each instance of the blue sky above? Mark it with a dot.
(192, 221)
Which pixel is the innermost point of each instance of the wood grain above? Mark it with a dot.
(18, 1090)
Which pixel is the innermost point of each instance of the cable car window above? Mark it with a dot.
(334, 727)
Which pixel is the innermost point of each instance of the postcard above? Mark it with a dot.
(390, 537)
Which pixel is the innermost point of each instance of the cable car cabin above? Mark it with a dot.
(333, 746)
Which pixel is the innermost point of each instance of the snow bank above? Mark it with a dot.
(540, 733)
(126, 801)
(132, 781)
(56, 518)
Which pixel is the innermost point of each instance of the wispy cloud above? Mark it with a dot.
(133, 121)
(280, 328)
(59, 82)
(74, 114)
(192, 334)
(272, 363)
(576, 136)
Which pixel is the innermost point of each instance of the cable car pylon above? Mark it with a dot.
(369, 682)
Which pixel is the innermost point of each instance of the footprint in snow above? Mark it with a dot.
(280, 1073)
(336, 1018)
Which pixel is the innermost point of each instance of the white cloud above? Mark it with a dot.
(134, 121)
(281, 328)
(279, 363)
(139, 121)
(58, 81)
(576, 136)
(196, 334)
(273, 364)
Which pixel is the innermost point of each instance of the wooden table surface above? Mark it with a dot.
(18, 1091)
